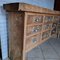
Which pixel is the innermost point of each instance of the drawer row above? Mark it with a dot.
(37, 28)
(31, 41)
(41, 18)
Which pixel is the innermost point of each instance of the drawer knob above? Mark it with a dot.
(36, 20)
(34, 40)
(36, 29)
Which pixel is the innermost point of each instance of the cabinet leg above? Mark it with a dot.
(24, 56)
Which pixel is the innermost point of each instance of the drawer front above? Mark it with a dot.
(47, 26)
(54, 25)
(33, 40)
(56, 18)
(46, 34)
(34, 19)
(33, 29)
(53, 31)
(48, 19)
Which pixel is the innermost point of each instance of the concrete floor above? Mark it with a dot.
(50, 50)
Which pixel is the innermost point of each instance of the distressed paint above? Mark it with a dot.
(3, 33)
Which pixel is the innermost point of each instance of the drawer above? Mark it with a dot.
(48, 19)
(46, 34)
(56, 18)
(54, 25)
(33, 29)
(53, 31)
(47, 26)
(34, 19)
(32, 40)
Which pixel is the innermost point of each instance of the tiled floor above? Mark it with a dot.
(50, 50)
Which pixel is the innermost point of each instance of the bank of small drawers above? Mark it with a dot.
(39, 27)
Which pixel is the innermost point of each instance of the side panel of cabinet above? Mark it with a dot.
(16, 32)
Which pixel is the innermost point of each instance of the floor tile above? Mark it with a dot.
(48, 51)
(36, 52)
(34, 58)
(7, 59)
(52, 59)
(56, 45)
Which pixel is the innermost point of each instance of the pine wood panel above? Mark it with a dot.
(28, 7)
(16, 31)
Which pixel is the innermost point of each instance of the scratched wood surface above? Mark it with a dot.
(28, 7)
(16, 27)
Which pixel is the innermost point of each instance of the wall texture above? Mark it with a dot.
(3, 29)
(3, 33)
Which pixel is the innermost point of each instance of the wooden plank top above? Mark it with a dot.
(28, 8)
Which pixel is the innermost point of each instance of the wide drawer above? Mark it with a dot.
(56, 18)
(33, 29)
(48, 19)
(34, 19)
(46, 34)
(47, 26)
(32, 41)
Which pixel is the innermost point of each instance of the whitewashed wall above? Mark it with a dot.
(3, 33)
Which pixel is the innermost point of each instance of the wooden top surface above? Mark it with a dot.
(28, 7)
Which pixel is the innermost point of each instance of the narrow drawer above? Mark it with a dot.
(53, 31)
(48, 19)
(46, 34)
(56, 19)
(54, 25)
(32, 40)
(47, 26)
(34, 19)
(33, 29)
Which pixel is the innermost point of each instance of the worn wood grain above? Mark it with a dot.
(16, 31)
(28, 8)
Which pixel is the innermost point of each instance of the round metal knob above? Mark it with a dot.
(36, 20)
(34, 40)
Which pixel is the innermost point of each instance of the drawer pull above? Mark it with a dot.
(36, 29)
(48, 18)
(36, 20)
(34, 40)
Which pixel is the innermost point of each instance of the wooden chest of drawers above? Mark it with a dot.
(28, 27)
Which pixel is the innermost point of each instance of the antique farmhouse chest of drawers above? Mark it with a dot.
(28, 27)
